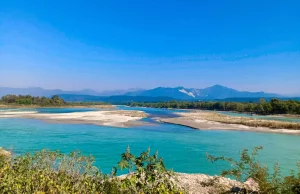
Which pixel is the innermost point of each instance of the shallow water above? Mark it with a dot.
(155, 112)
(183, 149)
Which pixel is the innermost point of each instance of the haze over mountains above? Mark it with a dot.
(213, 92)
(38, 91)
(180, 93)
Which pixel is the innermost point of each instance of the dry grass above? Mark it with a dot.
(251, 122)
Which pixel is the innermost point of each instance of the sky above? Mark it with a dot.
(106, 45)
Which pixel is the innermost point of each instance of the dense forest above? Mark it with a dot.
(274, 106)
(32, 100)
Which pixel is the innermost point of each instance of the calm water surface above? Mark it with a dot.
(183, 149)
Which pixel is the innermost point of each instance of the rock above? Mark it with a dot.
(205, 184)
(251, 185)
(4, 152)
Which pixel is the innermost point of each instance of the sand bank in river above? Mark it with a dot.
(213, 121)
(118, 118)
(65, 106)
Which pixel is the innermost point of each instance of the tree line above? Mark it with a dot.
(32, 100)
(274, 106)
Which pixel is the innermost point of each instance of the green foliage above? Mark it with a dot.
(53, 172)
(148, 174)
(275, 106)
(43, 101)
(249, 167)
(31, 100)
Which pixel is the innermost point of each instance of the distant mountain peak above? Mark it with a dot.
(219, 87)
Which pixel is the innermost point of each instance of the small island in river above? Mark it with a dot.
(203, 115)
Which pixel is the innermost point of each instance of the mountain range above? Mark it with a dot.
(180, 93)
(38, 91)
(213, 92)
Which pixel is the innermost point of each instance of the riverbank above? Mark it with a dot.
(206, 120)
(206, 184)
(115, 118)
(202, 183)
(4, 152)
(249, 113)
(106, 106)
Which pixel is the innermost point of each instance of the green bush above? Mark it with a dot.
(249, 167)
(53, 172)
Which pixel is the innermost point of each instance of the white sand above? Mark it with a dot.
(109, 118)
(196, 121)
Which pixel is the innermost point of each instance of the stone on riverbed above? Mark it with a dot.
(205, 184)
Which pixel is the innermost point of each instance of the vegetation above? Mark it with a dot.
(249, 167)
(31, 100)
(275, 106)
(252, 122)
(54, 172)
(27, 100)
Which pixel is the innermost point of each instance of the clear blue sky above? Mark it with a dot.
(102, 45)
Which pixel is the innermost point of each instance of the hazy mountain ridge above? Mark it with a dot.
(180, 93)
(38, 91)
(213, 92)
(112, 99)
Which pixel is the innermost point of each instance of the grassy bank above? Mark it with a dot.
(250, 122)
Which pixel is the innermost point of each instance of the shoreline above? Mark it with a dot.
(214, 121)
(270, 115)
(113, 118)
(198, 183)
(65, 106)
(196, 110)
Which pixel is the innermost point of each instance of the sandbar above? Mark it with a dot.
(116, 118)
(205, 120)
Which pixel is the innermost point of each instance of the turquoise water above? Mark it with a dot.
(183, 149)
(286, 119)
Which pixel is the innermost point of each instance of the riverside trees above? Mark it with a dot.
(32, 100)
(275, 106)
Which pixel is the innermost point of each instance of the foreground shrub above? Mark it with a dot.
(53, 172)
(249, 167)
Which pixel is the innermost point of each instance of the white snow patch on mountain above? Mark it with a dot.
(188, 93)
